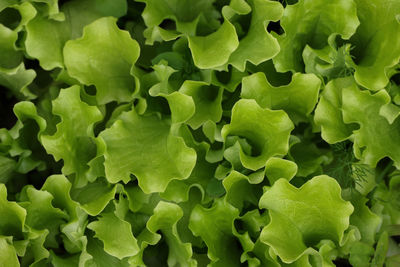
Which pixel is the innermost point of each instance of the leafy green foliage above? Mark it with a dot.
(199, 133)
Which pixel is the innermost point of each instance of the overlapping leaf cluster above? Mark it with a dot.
(199, 133)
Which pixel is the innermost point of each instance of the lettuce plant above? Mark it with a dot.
(199, 133)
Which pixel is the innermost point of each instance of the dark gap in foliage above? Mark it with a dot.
(7, 102)
(396, 238)
(198, 134)
(274, 78)
(275, 26)
(149, 52)
(157, 255)
(342, 263)
(43, 78)
(10, 18)
(200, 250)
(220, 4)
(224, 77)
(32, 64)
(90, 90)
(168, 24)
(298, 181)
(239, 226)
(358, 50)
(228, 101)
(158, 104)
(133, 178)
(242, 24)
(209, 92)
(300, 128)
(133, 14)
(256, 149)
(383, 169)
(396, 78)
(62, 2)
(20, 43)
(322, 144)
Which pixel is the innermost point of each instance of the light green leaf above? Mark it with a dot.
(73, 140)
(239, 190)
(277, 168)
(10, 57)
(366, 221)
(371, 141)
(103, 57)
(213, 50)
(17, 80)
(312, 22)
(42, 215)
(376, 42)
(95, 196)
(116, 235)
(47, 51)
(78, 14)
(201, 176)
(328, 114)
(301, 217)
(144, 146)
(26, 134)
(214, 226)
(298, 98)
(165, 218)
(13, 214)
(101, 258)
(258, 45)
(267, 131)
(8, 254)
(207, 101)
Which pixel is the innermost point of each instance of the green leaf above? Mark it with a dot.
(42, 215)
(10, 57)
(200, 177)
(17, 80)
(73, 141)
(48, 52)
(367, 222)
(328, 114)
(8, 254)
(144, 146)
(186, 15)
(239, 190)
(78, 14)
(116, 235)
(103, 57)
(381, 250)
(312, 22)
(95, 196)
(219, 239)
(371, 141)
(301, 217)
(165, 218)
(26, 134)
(7, 166)
(258, 45)
(13, 221)
(101, 258)
(277, 168)
(266, 130)
(376, 42)
(207, 102)
(298, 98)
